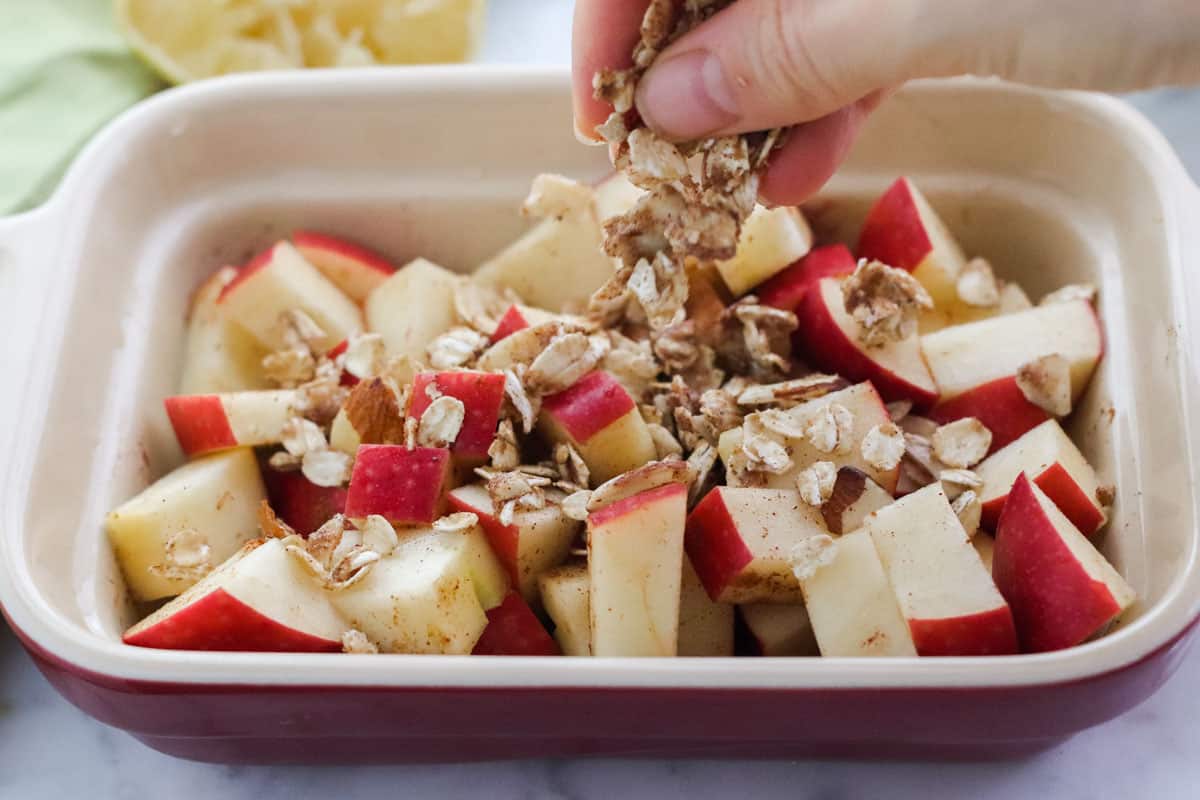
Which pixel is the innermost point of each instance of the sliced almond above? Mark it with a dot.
(642, 479)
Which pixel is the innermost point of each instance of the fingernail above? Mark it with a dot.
(583, 137)
(688, 96)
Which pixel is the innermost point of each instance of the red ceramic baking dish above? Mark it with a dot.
(1051, 187)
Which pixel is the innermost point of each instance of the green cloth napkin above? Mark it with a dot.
(64, 72)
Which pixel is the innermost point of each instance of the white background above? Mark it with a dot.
(48, 749)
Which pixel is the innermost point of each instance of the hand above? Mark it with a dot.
(824, 65)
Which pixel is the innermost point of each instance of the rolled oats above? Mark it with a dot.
(764, 454)
(504, 453)
(514, 391)
(830, 428)
(356, 642)
(456, 348)
(571, 467)
(289, 368)
(665, 444)
(1046, 382)
(365, 356)
(575, 504)
(568, 358)
(441, 422)
(811, 554)
(300, 436)
(455, 523)
(969, 509)
(702, 460)
(884, 446)
(815, 482)
(962, 443)
(884, 301)
(326, 467)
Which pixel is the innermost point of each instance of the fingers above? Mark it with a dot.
(812, 153)
(768, 63)
(604, 36)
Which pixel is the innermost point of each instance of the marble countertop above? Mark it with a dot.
(48, 749)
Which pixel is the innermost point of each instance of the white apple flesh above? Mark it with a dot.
(212, 503)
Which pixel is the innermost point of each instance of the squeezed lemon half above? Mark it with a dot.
(185, 40)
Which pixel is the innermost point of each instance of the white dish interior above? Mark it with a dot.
(1051, 188)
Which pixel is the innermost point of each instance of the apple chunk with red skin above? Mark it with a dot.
(867, 410)
(261, 599)
(771, 238)
(352, 268)
(219, 356)
(1061, 589)
(787, 289)
(404, 486)
(903, 231)
(481, 394)
(975, 365)
(280, 280)
(299, 502)
(1051, 460)
(431, 594)
(740, 541)
(947, 596)
(635, 562)
(535, 540)
(831, 340)
(204, 423)
(210, 502)
(851, 606)
(514, 630)
(598, 418)
(518, 318)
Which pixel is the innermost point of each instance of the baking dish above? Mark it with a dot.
(1052, 187)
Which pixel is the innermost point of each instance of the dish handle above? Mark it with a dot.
(28, 250)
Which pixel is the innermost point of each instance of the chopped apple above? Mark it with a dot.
(481, 393)
(975, 365)
(851, 606)
(350, 267)
(635, 563)
(705, 627)
(741, 542)
(947, 597)
(565, 593)
(1012, 299)
(280, 280)
(421, 598)
(771, 238)
(866, 409)
(536, 540)
(615, 195)
(299, 502)
(1061, 589)
(985, 545)
(831, 340)
(1051, 460)
(521, 346)
(186, 522)
(600, 420)
(261, 599)
(902, 230)
(219, 356)
(413, 307)
(779, 630)
(204, 423)
(405, 486)
(560, 262)
(371, 414)
(519, 317)
(514, 630)
(787, 289)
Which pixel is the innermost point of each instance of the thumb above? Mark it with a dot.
(768, 63)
